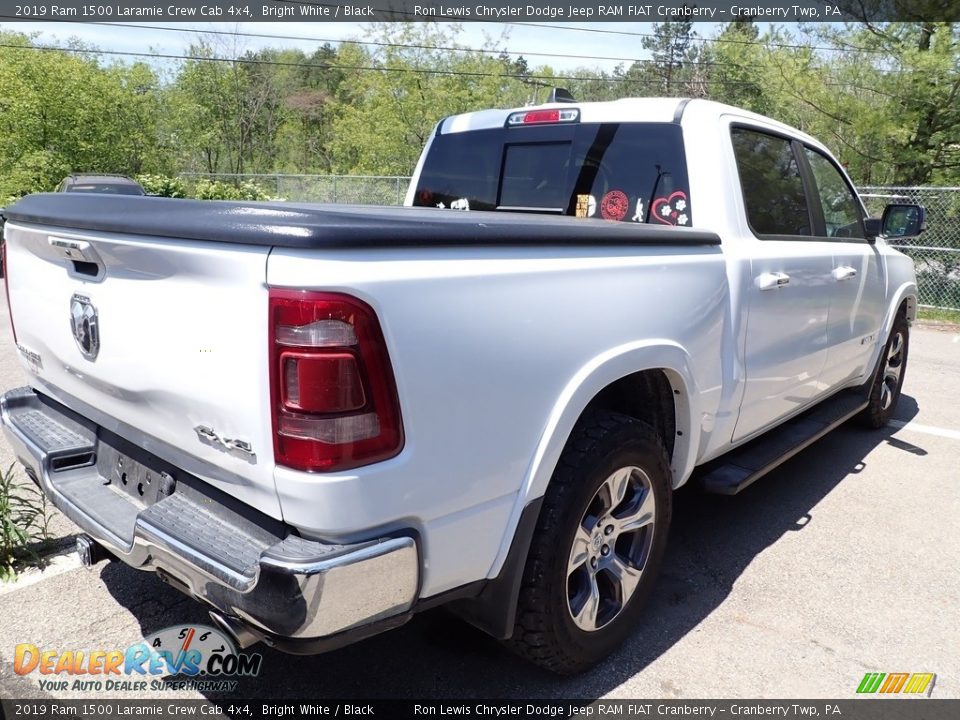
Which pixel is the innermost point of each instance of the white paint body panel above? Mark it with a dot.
(182, 343)
(496, 350)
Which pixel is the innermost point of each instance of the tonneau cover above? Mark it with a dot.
(303, 225)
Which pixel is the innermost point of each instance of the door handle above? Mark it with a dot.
(844, 272)
(772, 281)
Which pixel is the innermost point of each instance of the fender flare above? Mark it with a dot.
(494, 608)
(907, 292)
(587, 383)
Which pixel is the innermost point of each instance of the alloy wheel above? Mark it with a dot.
(610, 548)
(892, 369)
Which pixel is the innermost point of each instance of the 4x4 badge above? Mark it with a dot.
(85, 326)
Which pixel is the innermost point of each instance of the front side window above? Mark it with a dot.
(841, 211)
(622, 172)
(773, 193)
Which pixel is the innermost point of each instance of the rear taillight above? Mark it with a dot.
(6, 281)
(333, 396)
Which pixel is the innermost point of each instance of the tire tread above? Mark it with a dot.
(533, 637)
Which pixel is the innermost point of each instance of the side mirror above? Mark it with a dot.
(903, 221)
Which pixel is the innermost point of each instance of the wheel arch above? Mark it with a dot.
(903, 300)
(623, 380)
(652, 381)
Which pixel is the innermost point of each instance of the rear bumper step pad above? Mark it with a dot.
(281, 586)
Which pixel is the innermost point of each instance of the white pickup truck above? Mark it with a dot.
(319, 420)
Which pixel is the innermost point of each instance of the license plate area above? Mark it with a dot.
(144, 484)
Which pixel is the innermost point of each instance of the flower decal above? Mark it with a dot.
(669, 210)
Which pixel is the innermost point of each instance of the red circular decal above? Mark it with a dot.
(614, 205)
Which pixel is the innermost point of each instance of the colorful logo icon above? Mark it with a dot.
(897, 683)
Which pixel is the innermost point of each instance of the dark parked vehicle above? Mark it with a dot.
(112, 184)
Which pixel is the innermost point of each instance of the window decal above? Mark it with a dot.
(586, 206)
(614, 205)
(638, 216)
(672, 210)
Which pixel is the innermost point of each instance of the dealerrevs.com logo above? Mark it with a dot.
(203, 655)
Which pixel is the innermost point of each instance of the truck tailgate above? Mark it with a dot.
(162, 341)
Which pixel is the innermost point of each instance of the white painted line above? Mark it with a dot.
(926, 429)
(57, 565)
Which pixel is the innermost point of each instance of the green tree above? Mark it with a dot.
(888, 97)
(309, 97)
(229, 106)
(62, 111)
(735, 67)
(385, 115)
(674, 53)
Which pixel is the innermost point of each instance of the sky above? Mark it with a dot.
(617, 40)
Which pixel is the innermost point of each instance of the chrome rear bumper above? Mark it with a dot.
(250, 568)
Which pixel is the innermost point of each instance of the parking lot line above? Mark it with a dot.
(926, 429)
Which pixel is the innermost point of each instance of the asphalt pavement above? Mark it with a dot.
(841, 562)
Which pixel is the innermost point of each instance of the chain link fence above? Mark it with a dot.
(341, 189)
(936, 253)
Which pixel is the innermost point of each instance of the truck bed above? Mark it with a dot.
(316, 226)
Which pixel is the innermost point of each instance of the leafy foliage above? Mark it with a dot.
(382, 119)
(884, 96)
(220, 190)
(63, 112)
(23, 520)
(163, 186)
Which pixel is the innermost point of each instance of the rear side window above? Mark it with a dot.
(771, 182)
(623, 172)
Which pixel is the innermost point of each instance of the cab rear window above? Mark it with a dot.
(624, 172)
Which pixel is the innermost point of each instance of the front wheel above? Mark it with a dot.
(598, 545)
(888, 381)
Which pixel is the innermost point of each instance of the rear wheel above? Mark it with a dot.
(888, 381)
(598, 544)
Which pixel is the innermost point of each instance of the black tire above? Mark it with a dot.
(888, 377)
(606, 450)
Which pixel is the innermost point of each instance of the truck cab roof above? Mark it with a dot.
(634, 109)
